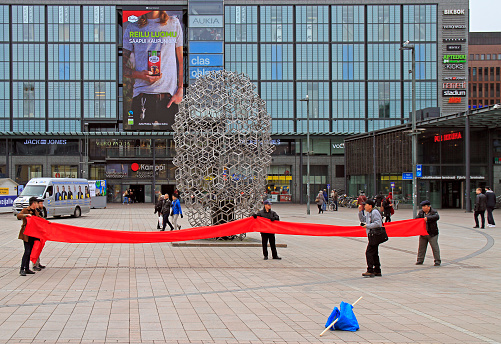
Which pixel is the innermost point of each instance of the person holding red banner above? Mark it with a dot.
(269, 214)
(28, 241)
(37, 266)
(371, 220)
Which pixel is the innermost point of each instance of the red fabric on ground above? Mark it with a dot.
(45, 230)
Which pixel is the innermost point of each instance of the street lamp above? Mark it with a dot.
(307, 100)
(414, 133)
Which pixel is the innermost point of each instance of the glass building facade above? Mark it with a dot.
(61, 76)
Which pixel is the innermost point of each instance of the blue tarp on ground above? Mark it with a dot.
(347, 319)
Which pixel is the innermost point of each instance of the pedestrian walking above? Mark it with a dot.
(387, 209)
(361, 200)
(166, 212)
(480, 206)
(269, 214)
(126, 197)
(491, 204)
(334, 196)
(28, 241)
(326, 199)
(176, 211)
(40, 213)
(320, 200)
(431, 217)
(379, 199)
(158, 210)
(371, 220)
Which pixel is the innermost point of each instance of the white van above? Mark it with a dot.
(62, 196)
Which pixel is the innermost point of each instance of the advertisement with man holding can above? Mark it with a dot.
(152, 67)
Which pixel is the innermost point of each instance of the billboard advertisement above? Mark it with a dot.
(152, 67)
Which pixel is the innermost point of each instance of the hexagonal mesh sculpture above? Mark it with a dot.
(223, 148)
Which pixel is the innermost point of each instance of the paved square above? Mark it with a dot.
(156, 293)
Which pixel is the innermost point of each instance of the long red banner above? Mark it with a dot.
(50, 231)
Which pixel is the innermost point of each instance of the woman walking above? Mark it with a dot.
(320, 200)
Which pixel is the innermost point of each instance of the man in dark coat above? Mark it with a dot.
(269, 214)
(166, 212)
(491, 204)
(431, 217)
(387, 206)
(379, 199)
(480, 206)
(27, 240)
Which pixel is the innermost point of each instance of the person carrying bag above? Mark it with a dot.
(373, 223)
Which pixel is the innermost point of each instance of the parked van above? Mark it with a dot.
(62, 196)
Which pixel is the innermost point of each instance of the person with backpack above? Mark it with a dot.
(387, 209)
(158, 209)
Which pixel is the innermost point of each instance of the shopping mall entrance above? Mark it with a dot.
(138, 193)
(452, 192)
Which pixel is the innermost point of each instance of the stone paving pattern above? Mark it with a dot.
(156, 293)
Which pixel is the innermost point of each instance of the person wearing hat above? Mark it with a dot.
(269, 214)
(38, 266)
(28, 241)
(431, 217)
(371, 219)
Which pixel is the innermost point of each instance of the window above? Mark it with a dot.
(471, 56)
(64, 171)
(488, 56)
(312, 23)
(64, 61)
(99, 62)
(339, 171)
(28, 23)
(348, 23)
(26, 172)
(276, 24)
(63, 23)
(99, 24)
(240, 23)
(482, 57)
(100, 100)
(476, 57)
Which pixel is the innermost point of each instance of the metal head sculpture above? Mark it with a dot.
(223, 148)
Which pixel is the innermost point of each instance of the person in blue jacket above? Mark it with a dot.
(176, 211)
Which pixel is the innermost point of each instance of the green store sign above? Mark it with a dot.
(454, 58)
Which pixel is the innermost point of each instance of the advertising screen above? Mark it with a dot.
(152, 67)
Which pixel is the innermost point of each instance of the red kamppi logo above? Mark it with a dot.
(134, 167)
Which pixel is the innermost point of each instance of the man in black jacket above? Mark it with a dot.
(269, 214)
(431, 217)
(480, 206)
(491, 204)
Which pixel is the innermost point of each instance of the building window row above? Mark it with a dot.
(482, 57)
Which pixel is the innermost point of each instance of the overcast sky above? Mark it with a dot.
(485, 15)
